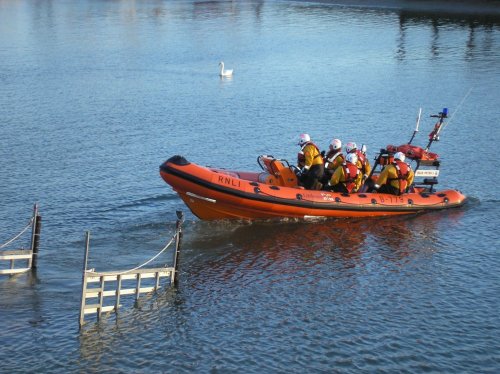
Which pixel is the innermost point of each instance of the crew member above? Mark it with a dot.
(396, 177)
(333, 159)
(311, 163)
(363, 163)
(347, 177)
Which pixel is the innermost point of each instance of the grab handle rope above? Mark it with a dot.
(18, 235)
(145, 263)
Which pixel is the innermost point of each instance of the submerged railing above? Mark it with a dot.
(105, 286)
(29, 256)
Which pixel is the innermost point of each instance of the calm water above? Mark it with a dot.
(94, 95)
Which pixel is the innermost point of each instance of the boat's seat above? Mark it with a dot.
(286, 177)
(267, 178)
(279, 172)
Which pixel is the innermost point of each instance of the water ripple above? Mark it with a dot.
(87, 118)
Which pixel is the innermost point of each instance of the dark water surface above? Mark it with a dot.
(94, 95)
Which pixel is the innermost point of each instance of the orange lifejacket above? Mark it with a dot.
(403, 171)
(351, 171)
(362, 160)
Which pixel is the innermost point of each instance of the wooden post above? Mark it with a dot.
(84, 278)
(178, 229)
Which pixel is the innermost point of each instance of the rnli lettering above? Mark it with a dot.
(229, 181)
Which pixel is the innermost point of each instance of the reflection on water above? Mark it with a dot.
(485, 16)
(96, 94)
(410, 21)
(237, 269)
(292, 247)
(153, 311)
(21, 290)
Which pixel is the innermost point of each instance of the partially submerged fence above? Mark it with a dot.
(106, 288)
(26, 256)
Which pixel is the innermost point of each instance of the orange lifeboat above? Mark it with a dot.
(213, 193)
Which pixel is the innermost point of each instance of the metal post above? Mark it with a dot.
(101, 296)
(138, 286)
(36, 241)
(32, 261)
(84, 278)
(178, 230)
(157, 280)
(118, 291)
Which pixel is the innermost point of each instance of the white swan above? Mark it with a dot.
(225, 73)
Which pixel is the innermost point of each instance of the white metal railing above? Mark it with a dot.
(29, 256)
(104, 286)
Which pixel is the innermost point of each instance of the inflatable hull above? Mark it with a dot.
(222, 194)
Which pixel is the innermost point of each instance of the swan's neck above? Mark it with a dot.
(221, 67)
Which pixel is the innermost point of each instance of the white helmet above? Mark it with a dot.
(352, 158)
(336, 144)
(399, 156)
(351, 146)
(303, 139)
